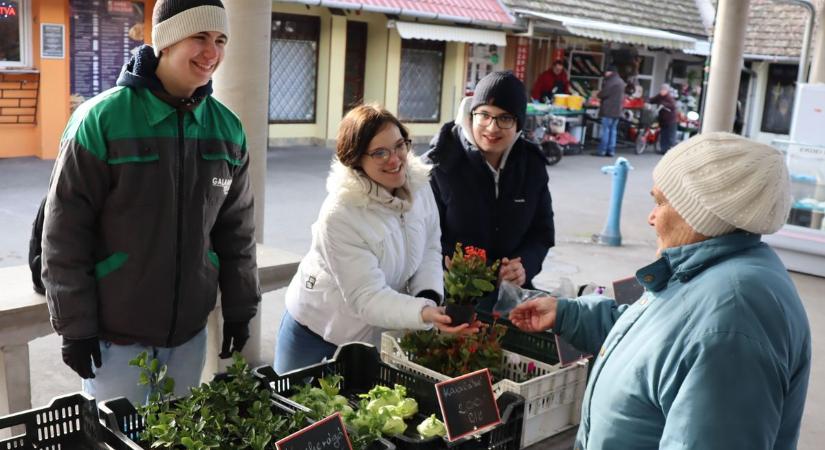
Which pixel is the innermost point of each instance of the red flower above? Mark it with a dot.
(496, 315)
(471, 252)
(531, 367)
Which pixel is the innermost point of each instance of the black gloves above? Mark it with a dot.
(235, 334)
(79, 354)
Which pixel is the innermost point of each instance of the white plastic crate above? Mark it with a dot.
(552, 398)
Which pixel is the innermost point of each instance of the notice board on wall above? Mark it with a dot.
(104, 35)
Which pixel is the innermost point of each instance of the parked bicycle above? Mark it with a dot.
(643, 130)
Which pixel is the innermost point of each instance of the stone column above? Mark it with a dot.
(15, 384)
(725, 65)
(242, 84)
(818, 63)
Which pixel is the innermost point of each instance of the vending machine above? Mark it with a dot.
(801, 242)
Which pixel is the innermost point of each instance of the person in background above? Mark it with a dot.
(150, 211)
(375, 259)
(611, 97)
(668, 125)
(717, 351)
(552, 81)
(491, 184)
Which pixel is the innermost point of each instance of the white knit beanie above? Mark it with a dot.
(175, 20)
(719, 182)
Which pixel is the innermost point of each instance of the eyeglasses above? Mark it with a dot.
(383, 154)
(504, 121)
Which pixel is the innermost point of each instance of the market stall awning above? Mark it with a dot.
(489, 13)
(702, 48)
(412, 30)
(614, 32)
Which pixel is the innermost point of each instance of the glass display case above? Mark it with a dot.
(801, 242)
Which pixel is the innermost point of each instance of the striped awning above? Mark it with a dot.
(614, 32)
(414, 30)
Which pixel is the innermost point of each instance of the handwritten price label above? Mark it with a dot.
(326, 434)
(467, 404)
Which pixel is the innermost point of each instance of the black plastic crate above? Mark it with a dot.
(126, 424)
(378, 444)
(69, 422)
(539, 346)
(361, 368)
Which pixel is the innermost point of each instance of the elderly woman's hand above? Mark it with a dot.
(437, 317)
(538, 314)
(513, 271)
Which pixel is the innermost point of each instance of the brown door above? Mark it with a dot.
(355, 64)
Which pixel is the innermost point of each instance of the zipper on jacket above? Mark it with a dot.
(406, 248)
(179, 207)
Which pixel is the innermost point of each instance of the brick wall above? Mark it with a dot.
(18, 97)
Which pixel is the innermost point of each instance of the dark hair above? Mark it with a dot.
(358, 128)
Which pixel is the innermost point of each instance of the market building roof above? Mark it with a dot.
(678, 16)
(775, 29)
(479, 12)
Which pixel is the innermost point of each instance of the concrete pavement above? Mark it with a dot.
(296, 187)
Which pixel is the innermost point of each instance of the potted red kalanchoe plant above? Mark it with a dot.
(467, 278)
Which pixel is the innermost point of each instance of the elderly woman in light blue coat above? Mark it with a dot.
(717, 352)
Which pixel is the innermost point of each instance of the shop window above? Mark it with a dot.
(15, 36)
(644, 77)
(482, 59)
(422, 69)
(293, 71)
(355, 65)
(776, 115)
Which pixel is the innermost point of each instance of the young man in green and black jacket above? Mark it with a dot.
(149, 211)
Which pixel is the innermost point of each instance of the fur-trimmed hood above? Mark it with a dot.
(352, 186)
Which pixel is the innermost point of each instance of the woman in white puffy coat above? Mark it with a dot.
(375, 260)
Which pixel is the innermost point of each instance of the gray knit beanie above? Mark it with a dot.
(719, 182)
(175, 20)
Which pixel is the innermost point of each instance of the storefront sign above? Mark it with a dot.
(7, 9)
(52, 45)
(522, 50)
(467, 404)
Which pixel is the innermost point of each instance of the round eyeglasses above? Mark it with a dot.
(383, 154)
(503, 121)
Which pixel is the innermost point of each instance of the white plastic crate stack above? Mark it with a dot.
(552, 398)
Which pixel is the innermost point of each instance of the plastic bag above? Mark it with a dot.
(511, 295)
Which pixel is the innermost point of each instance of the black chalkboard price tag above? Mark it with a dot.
(627, 290)
(567, 353)
(325, 434)
(467, 404)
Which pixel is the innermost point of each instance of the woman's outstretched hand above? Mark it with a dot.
(436, 315)
(538, 314)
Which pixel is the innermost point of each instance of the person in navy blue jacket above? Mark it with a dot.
(490, 184)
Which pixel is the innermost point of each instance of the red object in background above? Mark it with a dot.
(633, 103)
(484, 10)
(558, 54)
(522, 49)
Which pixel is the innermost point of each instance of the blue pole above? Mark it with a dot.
(611, 234)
